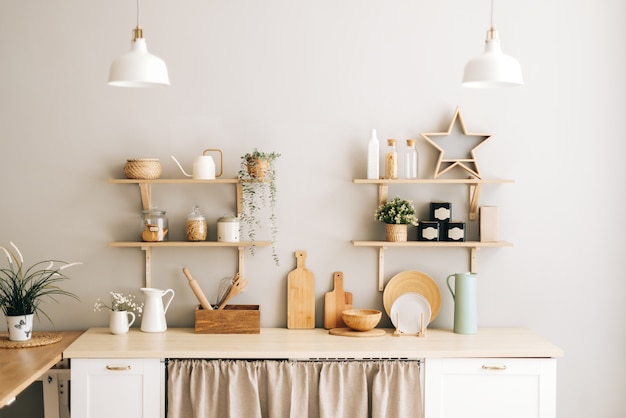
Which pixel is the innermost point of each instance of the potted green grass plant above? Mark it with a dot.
(23, 288)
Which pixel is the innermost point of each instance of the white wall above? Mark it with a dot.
(309, 79)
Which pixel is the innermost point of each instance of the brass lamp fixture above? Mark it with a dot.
(492, 68)
(137, 67)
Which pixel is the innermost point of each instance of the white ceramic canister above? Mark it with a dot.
(228, 229)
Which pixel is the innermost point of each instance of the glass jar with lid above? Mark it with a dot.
(154, 225)
(391, 160)
(196, 225)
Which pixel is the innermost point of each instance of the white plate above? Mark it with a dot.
(409, 307)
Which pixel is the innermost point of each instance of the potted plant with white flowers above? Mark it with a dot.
(396, 214)
(23, 288)
(123, 311)
(257, 175)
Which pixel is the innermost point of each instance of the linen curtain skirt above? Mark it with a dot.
(285, 388)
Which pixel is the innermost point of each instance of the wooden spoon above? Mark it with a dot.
(239, 284)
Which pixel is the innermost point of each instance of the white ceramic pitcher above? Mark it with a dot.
(153, 319)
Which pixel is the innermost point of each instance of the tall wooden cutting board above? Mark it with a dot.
(300, 295)
(336, 301)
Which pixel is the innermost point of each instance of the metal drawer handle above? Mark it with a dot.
(503, 367)
(121, 368)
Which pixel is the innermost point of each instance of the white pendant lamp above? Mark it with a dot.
(137, 67)
(492, 68)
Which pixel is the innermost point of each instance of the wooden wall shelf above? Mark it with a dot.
(474, 185)
(145, 189)
(383, 245)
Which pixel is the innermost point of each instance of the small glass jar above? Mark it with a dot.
(228, 229)
(391, 160)
(410, 160)
(154, 226)
(196, 226)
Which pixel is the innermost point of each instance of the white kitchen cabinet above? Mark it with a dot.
(120, 388)
(490, 388)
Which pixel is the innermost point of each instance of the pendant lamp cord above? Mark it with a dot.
(138, 12)
(491, 12)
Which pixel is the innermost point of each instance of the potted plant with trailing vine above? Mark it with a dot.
(396, 214)
(23, 288)
(257, 175)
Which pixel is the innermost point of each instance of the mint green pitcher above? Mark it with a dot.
(465, 305)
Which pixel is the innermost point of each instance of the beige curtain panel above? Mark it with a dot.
(298, 389)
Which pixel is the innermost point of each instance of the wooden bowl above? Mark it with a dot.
(361, 319)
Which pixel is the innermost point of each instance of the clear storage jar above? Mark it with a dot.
(196, 226)
(154, 225)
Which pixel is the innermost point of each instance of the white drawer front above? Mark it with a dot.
(490, 387)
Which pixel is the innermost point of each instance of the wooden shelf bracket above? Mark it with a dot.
(474, 196)
(381, 269)
(472, 247)
(146, 195)
(148, 253)
(472, 260)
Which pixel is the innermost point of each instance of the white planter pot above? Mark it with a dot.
(20, 327)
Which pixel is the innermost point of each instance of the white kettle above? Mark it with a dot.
(203, 165)
(153, 319)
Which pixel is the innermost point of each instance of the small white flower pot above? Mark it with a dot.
(20, 327)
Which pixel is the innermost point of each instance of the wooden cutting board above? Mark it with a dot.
(336, 301)
(347, 332)
(300, 295)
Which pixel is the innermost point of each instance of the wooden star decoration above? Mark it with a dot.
(468, 164)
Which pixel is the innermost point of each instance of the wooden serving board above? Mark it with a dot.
(336, 301)
(300, 295)
(347, 332)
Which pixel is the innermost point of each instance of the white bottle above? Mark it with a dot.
(373, 161)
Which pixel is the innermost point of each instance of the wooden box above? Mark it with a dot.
(489, 223)
(233, 319)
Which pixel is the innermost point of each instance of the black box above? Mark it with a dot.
(428, 231)
(455, 231)
(440, 211)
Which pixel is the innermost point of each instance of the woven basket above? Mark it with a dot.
(396, 232)
(142, 168)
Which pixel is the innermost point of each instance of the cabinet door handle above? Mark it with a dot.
(503, 367)
(118, 368)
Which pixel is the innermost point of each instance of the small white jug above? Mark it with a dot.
(153, 319)
(120, 321)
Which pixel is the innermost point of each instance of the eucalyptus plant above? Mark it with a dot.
(22, 288)
(257, 175)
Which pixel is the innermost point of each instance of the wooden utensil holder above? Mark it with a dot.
(233, 319)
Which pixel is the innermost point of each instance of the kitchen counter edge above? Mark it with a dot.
(282, 343)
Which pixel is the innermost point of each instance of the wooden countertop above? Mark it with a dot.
(281, 343)
(19, 367)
